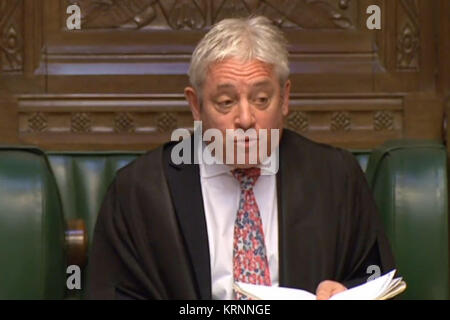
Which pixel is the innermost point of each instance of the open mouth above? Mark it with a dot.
(246, 139)
(246, 142)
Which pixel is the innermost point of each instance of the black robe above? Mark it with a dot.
(150, 240)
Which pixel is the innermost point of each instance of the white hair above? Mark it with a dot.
(245, 39)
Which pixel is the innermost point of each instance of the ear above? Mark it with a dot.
(194, 104)
(286, 92)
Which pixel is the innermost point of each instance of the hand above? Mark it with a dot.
(326, 289)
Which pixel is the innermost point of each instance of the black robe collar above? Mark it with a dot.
(185, 186)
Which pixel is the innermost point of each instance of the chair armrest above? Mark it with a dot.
(76, 242)
(32, 263)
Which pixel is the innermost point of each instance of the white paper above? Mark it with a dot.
(275, 293)
(371, 290)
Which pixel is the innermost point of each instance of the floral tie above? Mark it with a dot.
(249, 251)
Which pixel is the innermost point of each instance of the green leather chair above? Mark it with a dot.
(415, 218)
(32, 252)
(409, 181)
(83, 179)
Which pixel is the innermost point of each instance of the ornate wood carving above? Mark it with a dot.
(141, 14)
(187, 14)
(198, 14)
(302, 14)
(156, 48)
(123, 122)
(383, 120)
(166, 122)
(340, 121)
(11, 35)
(408, 35)
(297, 121)
(37, 122)
(81, 122)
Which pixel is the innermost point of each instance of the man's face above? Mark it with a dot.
(238, 95)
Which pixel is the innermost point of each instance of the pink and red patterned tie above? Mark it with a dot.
(250, 262)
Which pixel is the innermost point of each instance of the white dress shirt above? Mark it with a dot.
(221, 192)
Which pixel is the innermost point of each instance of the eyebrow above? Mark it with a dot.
(263, 83)
(225, 86)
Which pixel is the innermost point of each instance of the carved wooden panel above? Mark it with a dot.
(118, 82)
(408, 41)
(149, 39)
(199, 14)
(150, 119)
(11, 35)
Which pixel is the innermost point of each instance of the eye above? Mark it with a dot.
(225, 103)
(261, 101)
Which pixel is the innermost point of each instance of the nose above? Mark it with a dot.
(245, 118)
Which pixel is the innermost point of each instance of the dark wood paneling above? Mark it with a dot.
(117, 83)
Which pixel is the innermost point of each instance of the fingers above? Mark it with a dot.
(326, 289)
(323, 295)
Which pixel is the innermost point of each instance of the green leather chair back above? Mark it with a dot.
(83, 179)
(32, 260)
(409, 181)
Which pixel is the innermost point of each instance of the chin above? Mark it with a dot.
(245, 166)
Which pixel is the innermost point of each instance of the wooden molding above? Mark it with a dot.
(71, 119)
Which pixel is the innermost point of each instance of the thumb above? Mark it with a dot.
(324, 290)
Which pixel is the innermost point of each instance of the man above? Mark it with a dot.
(171, 230)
